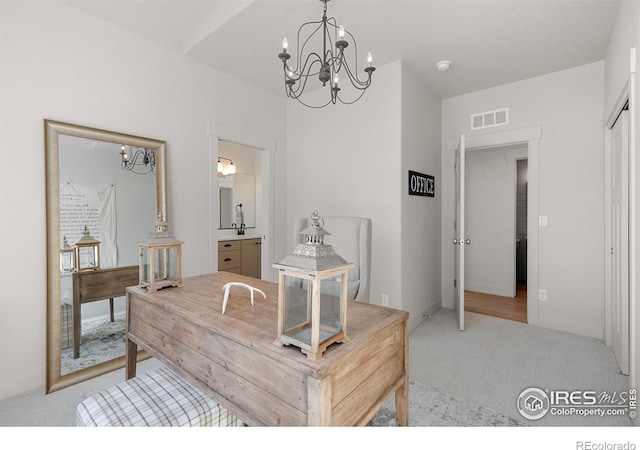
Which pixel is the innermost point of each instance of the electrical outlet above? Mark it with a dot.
(542, 295)
(385, 300)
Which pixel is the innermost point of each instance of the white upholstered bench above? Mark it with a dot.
(158, 397)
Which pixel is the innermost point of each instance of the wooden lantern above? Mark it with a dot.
(312, 294)
(67, 257)
(160, 259)
(87, 252)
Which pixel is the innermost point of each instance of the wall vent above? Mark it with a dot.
(490, 119)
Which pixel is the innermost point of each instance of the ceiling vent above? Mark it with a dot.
(490, 119)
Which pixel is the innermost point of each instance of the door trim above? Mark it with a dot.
(529, 136)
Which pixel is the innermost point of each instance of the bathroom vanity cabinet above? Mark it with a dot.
(241, 256)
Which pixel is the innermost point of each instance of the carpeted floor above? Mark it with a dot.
(494, 360)
(430, 407)
(471, 378)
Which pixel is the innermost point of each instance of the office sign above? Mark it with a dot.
(421, 184)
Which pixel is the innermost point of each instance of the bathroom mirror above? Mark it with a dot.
(114, 184)
(237, 195)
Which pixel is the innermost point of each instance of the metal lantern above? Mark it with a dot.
(312, 294)
(67, 257)
(87, 252)
(160, 258)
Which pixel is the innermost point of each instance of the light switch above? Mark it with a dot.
(542, 221)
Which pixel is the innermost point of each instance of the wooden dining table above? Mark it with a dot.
(232, 356)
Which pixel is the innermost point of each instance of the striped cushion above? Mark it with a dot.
(158, 397)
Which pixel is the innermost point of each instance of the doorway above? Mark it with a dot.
(263, 148)
(496, 222)
(618, 191)
(524, 138)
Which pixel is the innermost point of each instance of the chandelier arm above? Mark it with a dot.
(304, 72)
(301, 72)
(356, 82)
(300, 49)
(291, 92)
(311, 106)
(145, 154)
(353, 101)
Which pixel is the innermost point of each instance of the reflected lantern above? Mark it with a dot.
(87, 252)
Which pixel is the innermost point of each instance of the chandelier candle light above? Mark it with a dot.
(327, 65)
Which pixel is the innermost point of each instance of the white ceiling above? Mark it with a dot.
(489, 42)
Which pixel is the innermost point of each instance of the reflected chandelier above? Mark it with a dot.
(142, 162)
(328, 65)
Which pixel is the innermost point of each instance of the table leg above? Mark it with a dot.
(131, 351)
(131, 348)
(319, 402)
(111, 310)
(402, 405)
(77, 322)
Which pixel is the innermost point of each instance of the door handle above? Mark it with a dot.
(462, 242)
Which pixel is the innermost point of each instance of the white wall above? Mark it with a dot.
(345, 161)
(420, 235)
(62, 64)
(625, 36)
(568, 106)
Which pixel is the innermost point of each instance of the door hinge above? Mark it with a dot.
(455, 283)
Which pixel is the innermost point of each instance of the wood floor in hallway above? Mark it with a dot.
(511, 308)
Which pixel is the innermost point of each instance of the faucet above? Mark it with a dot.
(240, 219)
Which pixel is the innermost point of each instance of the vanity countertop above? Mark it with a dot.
(238, 237)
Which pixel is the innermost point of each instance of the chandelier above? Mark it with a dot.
(328, 65)
(138, 160)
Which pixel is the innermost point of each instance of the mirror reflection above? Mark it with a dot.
(102, 195)
(237, 201)
(237, 168)
(104, 191)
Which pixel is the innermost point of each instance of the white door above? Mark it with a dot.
(460, 241)
(620, 241)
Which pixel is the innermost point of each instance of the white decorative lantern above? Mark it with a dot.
(87, 252)
(67, 257)
(312, 294)
(160, 258)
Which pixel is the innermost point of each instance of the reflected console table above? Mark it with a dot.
(93, 285)
(232, 357)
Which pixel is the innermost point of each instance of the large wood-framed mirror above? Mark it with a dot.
(92, 183)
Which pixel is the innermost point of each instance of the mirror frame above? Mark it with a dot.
(52, 130)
